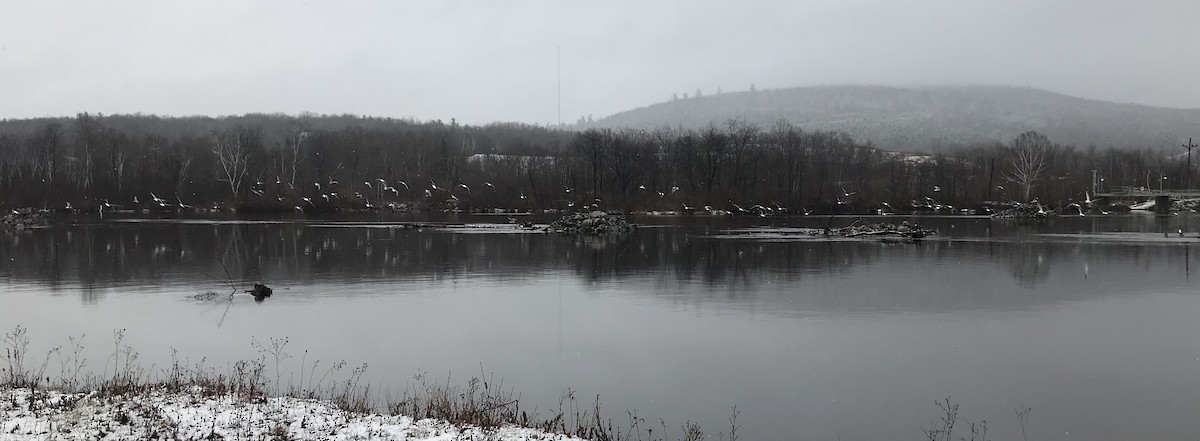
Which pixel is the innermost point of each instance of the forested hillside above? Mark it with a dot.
(314, 163)
(928, 119)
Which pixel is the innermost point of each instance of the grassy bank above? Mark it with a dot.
(259, 398)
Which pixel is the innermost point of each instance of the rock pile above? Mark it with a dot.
(596, 223)
(1187, 205)
(22, 219)
(1024, 211)
(904, 230)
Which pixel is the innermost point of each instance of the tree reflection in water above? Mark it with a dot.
(188, 257)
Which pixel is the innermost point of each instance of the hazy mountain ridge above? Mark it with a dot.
(930, 118)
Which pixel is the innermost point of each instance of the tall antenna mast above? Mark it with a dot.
(558, 73)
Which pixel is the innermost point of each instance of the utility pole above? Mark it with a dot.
(991, 176)
(1187, 179)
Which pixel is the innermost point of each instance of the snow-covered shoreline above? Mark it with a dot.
(26, 414)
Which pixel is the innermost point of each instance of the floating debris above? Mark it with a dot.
(205, 296)
(887, 232)
(22, 219)
(596, 223)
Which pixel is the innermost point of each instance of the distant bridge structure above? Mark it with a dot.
(1162, 197)
(1143, 193)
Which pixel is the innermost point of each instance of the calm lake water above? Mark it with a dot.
(852, 340)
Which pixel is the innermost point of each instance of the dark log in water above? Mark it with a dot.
(260, 292)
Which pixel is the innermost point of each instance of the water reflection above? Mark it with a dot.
(957, 272)
(1030, 264)
(668, 321)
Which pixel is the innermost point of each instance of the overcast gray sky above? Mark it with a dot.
(495, 60)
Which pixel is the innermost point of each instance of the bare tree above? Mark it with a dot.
(49, 143)
(87, 130)
(118, 156)
(742, 135)
(11, 158)
(714, 145)
(453, 159)
(627, 163)
(1028, 162)
(684, 154)
(233, 158)
(790, 147)
(181, 176)
(593, 145)
(297, 137)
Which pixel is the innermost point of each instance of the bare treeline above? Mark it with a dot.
(284, 162)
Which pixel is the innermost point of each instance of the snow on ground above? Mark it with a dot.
(40, 415)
